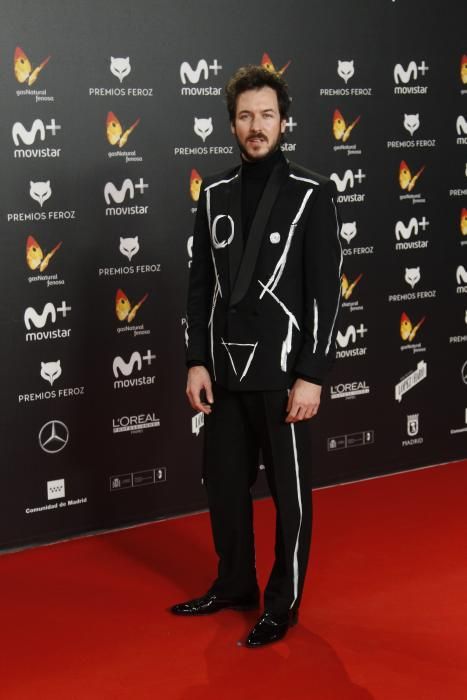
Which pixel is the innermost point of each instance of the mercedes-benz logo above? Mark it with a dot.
(464, 372)
(53, 436)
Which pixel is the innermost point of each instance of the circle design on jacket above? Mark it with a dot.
(275, 237)
(227, 241)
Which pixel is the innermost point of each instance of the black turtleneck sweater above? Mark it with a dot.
(255, 174)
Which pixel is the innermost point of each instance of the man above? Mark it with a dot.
(262, 306)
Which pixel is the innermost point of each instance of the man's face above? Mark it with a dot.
(258, 125)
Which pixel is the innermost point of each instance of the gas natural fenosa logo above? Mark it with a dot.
(407, 330)
(340, 128)
(407, 181)
(22, 66)
(116, 136)
(347, 287)
(35, 258)
(195, 184)
(123, 308)
(269, 65)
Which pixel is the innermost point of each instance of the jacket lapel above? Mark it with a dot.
(236, 247)
(248, 262)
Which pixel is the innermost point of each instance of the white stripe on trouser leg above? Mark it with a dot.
(295, 554)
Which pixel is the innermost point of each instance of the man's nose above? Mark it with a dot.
(256, 123)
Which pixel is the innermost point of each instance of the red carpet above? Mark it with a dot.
(384, 615)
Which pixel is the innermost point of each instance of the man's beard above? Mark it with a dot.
(270, 150)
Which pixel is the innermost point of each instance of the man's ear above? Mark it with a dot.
(232, 128)
(283, 125)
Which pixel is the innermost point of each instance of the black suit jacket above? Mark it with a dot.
(259, 316)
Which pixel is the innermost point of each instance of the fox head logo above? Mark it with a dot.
(407, 330)
(40, 191)
(120, 67)
(349, 230)
(35, 257)
(345, 70)
(340, 129)
(412, 275)
(23, 68)
(115, 134)
(129, 246)
(411, 123)
(406, 180)
(203, 127)
(123, 308)
(269, 65)
(50, 371)
(195, 184)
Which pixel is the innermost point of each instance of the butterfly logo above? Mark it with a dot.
(407, 330)
(23, 68)
(35, 257)
(339, 127)
(406, 181)
(347, 287)
(123, 308)
(115, 134)
(195, 184)
(463, 221)
(269, 65)
(464, 69)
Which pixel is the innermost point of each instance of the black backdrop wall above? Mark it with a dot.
(111, 113)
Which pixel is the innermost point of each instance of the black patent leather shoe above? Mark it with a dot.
(212, 603)
(270, 628)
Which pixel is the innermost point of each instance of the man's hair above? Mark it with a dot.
(252, 78)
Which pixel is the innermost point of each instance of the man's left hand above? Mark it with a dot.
(303, 403)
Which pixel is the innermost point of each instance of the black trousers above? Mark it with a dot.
(242, 423)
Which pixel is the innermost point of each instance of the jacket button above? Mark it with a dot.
(233, 311)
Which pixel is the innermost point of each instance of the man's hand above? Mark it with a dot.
(199, 379)
(303, 401)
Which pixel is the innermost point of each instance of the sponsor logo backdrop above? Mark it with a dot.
(110, 120)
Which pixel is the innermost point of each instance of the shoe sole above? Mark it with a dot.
(237, 608)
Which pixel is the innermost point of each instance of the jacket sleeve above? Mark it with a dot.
(200, 289)
(323, 263)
